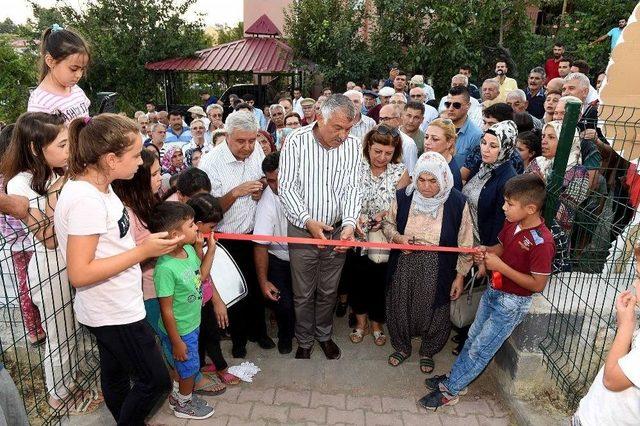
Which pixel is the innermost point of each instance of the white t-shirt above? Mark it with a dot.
(409, 151)
(20, 184)
(83, 210)
(270, 220)
(602, 407)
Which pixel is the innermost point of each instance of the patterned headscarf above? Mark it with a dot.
(436, 165)
(188, 155)
(506, 132)
(167, 165)
(546, 164)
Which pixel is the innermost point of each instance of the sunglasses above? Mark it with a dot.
(384, 130)
(455, 105)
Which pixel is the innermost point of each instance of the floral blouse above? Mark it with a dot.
(378, 191)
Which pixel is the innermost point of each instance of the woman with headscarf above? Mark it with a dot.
(484, 189)
(173, 161)
(575, 185)
(423, 283)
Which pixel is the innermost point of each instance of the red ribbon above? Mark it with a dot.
(341, 243)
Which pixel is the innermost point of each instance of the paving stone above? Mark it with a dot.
(233, 421)
(258, 395)
(318, 414)
(352, 417)
(238, 410)
(230, 395)
(379, 419)
(450, 420)
(371, 403)
(269, 412)
(498, 409)
(165, 416)
(214, 420)
(493, 421)
(330, 400)
(399, 404)
(300, 398)
(420, 419)
(472, 406)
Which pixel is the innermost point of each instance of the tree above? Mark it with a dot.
(8, 27)
(228, 34)
(17, 74)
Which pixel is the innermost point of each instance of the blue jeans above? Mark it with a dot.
(498, 314)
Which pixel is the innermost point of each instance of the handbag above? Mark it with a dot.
(463, 310)
(377, 255)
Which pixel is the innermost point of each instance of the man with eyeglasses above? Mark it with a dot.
(362, 123)
(412, 117)
(251, 100)
(391, 115)
(457, 109)
(475, 110)
(215, 113)
(418, 94)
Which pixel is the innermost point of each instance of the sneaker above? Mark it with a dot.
(435, 383)
(173, 401)
(436, 399)
(192, 411)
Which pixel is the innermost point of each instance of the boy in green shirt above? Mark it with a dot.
(177, 277)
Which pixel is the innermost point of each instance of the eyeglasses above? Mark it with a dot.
(455, 105)
(397, 103)
(384, 130)
(215, 115)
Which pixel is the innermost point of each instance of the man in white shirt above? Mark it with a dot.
(614, 396)
(235, 170)
(362, 123)
(318, 185)
(297, 98)
(391, 115)
(272, 259)
(418, 81)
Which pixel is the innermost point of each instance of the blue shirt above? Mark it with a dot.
(615, 34)
(469, 137)
(185, 136)
(262, 120)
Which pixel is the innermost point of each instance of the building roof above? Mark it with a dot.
(263, 26)
(258, 55)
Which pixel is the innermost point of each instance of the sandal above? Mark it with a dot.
(36, 339)
(357, 335)
(426, 364)
(379, 338)
(398, 357)
(228, 378)
(213, 388)
(209, 368)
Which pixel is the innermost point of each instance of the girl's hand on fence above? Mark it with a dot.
(625, 308)
(180, 351)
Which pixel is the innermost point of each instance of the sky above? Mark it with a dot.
(227, 12)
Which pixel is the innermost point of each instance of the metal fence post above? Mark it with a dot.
(565, 140)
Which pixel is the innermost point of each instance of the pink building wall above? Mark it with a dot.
(274, 9)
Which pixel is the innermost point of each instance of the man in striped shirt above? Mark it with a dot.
(235, 170)
(318, 182)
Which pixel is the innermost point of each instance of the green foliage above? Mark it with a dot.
(227, 34)
(8, 27)
(17, 74)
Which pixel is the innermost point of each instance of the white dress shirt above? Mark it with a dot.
(226, 172)
(319, 183)
(409, 151)
(297, 107)
(362, 127)
(430, 114)
(270, 220)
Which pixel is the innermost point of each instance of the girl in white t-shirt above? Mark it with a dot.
(33, 166)
(103, 263)
(64, 57)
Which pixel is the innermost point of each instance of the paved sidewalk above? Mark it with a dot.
(360, 389)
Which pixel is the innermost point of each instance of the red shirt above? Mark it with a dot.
(528, 251)
(551, 68)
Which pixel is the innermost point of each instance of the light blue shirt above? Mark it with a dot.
(262, 120)
(185, 136)
(615, 34)
(469, 137)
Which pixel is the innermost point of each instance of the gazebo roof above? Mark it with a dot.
(263, 26)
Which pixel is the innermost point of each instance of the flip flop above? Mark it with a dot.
(426, 364)
(399, 357)
(207, 390)
(357, 335)
(228, 378)
(379, 338)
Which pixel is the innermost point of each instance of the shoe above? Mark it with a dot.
(341, 309)
(173, 401)
(436, 399)
(304, 353)
(192, 411)
(330, 349)
(285, 346)
(239, 351)
(266, 342)
(435, 383)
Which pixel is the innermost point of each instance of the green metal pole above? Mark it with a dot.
(554, 185)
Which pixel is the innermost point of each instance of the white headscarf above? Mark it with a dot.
(436, 165)
(546, 164)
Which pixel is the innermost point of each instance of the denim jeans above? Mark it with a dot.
(498, 314)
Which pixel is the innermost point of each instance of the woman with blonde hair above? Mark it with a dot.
(440, 137)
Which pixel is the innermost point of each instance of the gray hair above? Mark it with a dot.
(517, 94)
(274, 107)
(337, 102)
(241, 120)
(570, 98)
(579, 77)
(154, 127)
(354, 92)
(462, 77)
(492, 81)
(215, 106)
(397, 95)
(539, 70)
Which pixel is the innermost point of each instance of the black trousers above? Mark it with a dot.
(247, 317)
(209, 338)
(280, 275)
(368, 287)
(132, 372)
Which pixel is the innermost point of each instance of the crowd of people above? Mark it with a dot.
(124, 210)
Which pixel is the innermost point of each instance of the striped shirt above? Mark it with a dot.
(362, 127)
(319, 183)
(226, 172)
(74, 105)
